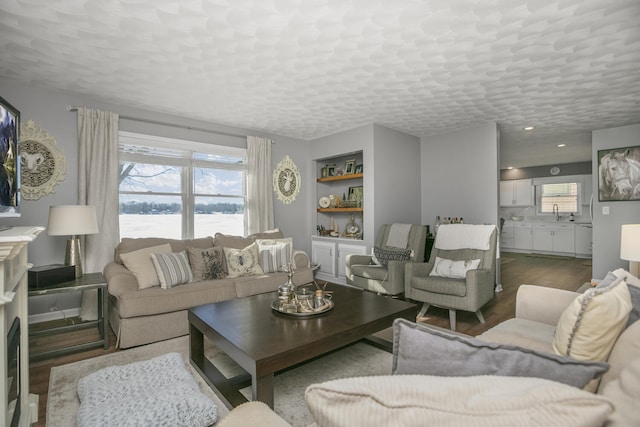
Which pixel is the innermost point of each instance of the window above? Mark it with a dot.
(180, 189)
(563, 195)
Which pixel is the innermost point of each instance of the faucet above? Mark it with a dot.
(556, 211)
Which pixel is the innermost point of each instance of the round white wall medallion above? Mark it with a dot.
(42, 164)
(554, 170)
(286, 181)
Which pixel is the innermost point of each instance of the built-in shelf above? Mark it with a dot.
(340, 177)
(329, 210)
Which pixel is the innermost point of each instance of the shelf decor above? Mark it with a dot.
(43, 164)
(286, 180)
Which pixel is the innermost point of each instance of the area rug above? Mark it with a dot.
(359, 359)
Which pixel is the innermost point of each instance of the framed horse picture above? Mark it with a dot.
(619, 174)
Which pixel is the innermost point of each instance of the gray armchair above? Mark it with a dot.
(476, 288)
(362, 272)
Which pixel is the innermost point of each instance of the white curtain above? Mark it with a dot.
(259, 185)
(98, 186)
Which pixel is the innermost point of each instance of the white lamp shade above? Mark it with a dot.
(72, 220)
(630, 242)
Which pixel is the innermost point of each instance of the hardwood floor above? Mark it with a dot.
(515, 269)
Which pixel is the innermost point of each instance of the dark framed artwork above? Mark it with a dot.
(358, 169)
(619, 174)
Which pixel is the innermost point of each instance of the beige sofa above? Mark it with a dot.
(485, 400)
(142, 316)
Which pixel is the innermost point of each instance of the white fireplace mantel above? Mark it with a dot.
(13, 303)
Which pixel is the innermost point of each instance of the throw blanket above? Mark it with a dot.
(154, 392)
(464, 236)
(398, 235)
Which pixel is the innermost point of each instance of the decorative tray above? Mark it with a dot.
(274, 306)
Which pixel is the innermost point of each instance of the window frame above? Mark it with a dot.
(187, 163)
(539, 197)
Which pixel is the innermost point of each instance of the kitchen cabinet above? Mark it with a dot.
(516, 193)
(506, 236)
(522, 236)
(548, 237)
(583, 240)
(331, 253)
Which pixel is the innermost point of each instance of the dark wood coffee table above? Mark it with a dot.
(264, 342)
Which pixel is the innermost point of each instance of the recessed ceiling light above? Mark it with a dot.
(529, 128)
(562, 145)
(509, 167)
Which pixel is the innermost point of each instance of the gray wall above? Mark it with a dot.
(49, 110)
(460, 175)
(566, 169)
(397, 177)
(606, 228)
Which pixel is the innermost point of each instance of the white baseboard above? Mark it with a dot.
(54, 315)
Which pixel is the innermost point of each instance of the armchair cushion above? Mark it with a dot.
(419, 349)
(382, 256)
(440, 285)
(589, 327)
(480, 401)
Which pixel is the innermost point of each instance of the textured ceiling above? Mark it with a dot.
(305, 69)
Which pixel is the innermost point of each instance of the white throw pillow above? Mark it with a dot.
(274, 256)
(453, 269)
(243, 262)
(140, 264)
(172, 269)
(479, 401)
(589, 327)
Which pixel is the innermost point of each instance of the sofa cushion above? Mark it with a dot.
(479, 401)
(523, 333)
(140, 264)
(243, 262)
(207, 264)
(590, 325)
(274, 256)
(454, 269)
(129, 244)
(172, 269)
(624, 393)
(156, 300)
(626, 349)
(382, 255)
(419, 349)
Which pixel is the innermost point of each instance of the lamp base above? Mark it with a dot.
(73, 256)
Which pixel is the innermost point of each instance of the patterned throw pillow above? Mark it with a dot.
(243, 262)
(207, 264)
(172, 269)
(382, 256)
(453, 269)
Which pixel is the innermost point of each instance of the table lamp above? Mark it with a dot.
(72, 220)
(630, 246)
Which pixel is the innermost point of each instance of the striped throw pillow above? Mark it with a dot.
(275, 256)
(172, 269)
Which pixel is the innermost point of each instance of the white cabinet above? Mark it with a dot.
(506, 236)
(522, 236)
(331, 253)
(516, 193)
(549, 237)
(583, 239)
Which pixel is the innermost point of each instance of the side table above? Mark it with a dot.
(84, 283)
